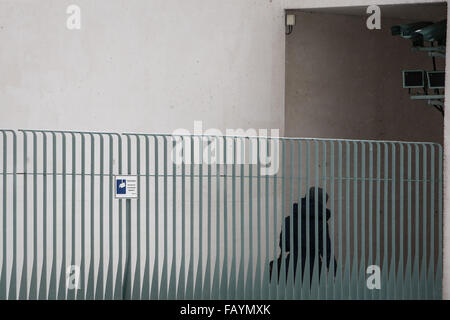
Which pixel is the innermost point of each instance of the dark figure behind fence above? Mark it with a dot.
(313, 202)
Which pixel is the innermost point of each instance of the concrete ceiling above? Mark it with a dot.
(412, 12)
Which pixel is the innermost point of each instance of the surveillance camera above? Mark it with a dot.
(435, 32)
(407, 30)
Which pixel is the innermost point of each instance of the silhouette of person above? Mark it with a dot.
(305, 240)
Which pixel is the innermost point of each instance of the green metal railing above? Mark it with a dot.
(210, 218)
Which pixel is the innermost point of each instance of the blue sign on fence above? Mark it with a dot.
(121, 186)
(126, 187)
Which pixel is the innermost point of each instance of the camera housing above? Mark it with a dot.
(406, 31)
(421, 31)
(435, 32)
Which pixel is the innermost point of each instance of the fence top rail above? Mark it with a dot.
(165, 135)
(70, 132)
(6, 131)
(284, 138)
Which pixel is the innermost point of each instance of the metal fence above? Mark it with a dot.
(218, 217)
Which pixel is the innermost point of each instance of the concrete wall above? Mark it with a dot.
(148, 66)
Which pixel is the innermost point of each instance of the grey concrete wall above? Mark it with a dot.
(142, 66)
